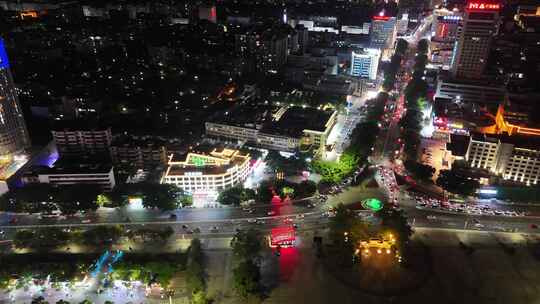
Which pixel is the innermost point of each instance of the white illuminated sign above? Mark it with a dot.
(455, 18)
(488, 191)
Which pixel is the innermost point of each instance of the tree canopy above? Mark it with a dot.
(246, 279)
(235, 195)
(454, 182)
(247, 243)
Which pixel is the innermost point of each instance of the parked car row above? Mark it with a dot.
(467, 208)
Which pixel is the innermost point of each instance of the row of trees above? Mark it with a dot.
(70, 199)
(415, 93)
(153, 195)
(195, 276)
(53, 237)
(411, 123)
(67, 268)
(394, 65)
(418, 170)
(266, 190)
(41, 300)
(148, 269)
(292, 165)
(246, 246)
(456, 182)
(36, 198)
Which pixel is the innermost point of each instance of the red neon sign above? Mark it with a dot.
(383, 18)
(484, 6)
(282, 236)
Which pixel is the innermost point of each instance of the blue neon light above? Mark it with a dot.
(4, 62)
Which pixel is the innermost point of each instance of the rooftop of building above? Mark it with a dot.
(246, 115)
(297, 119)
(78, 125)
(446, 77)
(481, 115)
(458, 144)
(74, 166)
(206, 161)
(519, 141)
(132, 140)
(289, 121)
(366, 52)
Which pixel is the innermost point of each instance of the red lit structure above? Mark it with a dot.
(382, 18)
(483, 6)
(282, 236)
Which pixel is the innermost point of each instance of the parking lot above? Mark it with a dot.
(433, 153)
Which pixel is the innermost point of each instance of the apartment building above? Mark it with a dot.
(76, 139)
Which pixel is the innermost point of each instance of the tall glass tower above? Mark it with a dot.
(13, 133)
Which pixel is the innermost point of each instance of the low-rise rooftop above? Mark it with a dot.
(297, 119)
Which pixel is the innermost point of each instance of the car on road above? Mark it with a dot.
(251, 220)
(271, 213)
(214, 229)
(86, 221)
(172, 216)
(533, 226)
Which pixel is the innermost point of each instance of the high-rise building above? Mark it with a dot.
(303, 38)
(364, 64)
(383, 31)
(13, 133)
(480, 24)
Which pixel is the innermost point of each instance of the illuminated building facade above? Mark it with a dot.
(366, 63)
(514, 158)
(13, 133)
(217, 170)
(383, 32)
(480, 24)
